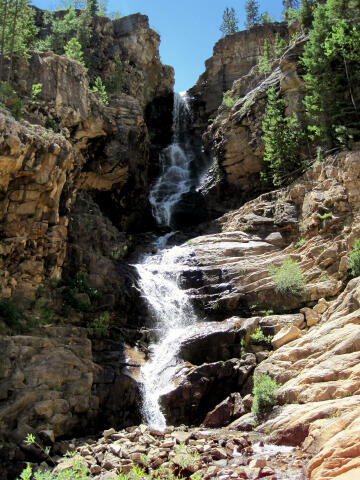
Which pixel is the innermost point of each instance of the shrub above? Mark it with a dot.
(228, 100)
(288, 278)
(100, 91)
(73, 50)
(264, 395)
(12, 315)
(258, 337)
(324, 216)
(99, 327)
(354, 259)
(36, 89)
(300, 243)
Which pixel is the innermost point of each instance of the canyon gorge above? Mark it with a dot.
(138, 245)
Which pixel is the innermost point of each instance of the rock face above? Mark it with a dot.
(233, 57)
(233, 139)
(46, 382)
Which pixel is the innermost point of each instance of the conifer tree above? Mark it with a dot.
(73, 50)
(230, 22)
(332, 62)
(252, 13)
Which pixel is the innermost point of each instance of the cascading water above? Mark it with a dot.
(176, 161)
(159, 273)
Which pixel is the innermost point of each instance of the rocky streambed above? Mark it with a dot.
(195, 453)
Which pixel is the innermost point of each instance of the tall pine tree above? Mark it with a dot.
(252, 13)
(230, 22)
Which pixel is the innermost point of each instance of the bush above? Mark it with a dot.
(288, 278)
(228, 100)
(73, 50)
(258, 337)
(78, 471)
(12, 315)
(99, 328)
(100, 91)
(354, 259)
(264, 395)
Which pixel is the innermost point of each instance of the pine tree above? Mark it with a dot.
(332, 63)
(252, 13)
(230, 22)
(92, 7)
(282, 137)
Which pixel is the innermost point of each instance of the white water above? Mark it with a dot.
(175, 178)
(159, 273)
(173, 313)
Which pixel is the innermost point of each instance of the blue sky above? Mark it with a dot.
(188, 28)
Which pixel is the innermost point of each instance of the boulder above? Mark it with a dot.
(285, 335)
(227, 411)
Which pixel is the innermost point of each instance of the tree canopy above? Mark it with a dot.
(230, 22)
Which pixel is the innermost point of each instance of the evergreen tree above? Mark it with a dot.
(332, 62)
(252, 13)
(282, 137)
(289, 7)
(92, 7)
(230, 22)
(306, 13)
(100, 90)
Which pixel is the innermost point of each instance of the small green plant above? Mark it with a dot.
(258, 337)
(50, 124)
(100, 91)
(288, 278)
(264, 395)
(300, 243)
(324, 277)
(117, 253)
(36, 89)
(354, 260)
(99, 327)
(228, 100)
(324, 216)
(265, 59)
(31, 440)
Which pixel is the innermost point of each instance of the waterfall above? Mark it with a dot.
(176, 160)
(159, 273)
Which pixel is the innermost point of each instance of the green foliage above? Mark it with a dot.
(266, 18)
(252, 13)
(265, 59)
(78, 471)
(99, 327)
(51, 124)
(354, 259)
(73, 50)
(279, 45)
(282, 138)
(70, 289)
(230, 22)
(62, 28)
(100, 91)
(12, 315)
(306, 13)
(300, 243)
(288, 278)
(36, 89)
(258, 337)
(264, 395)
(228, 100)
(332, 63)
